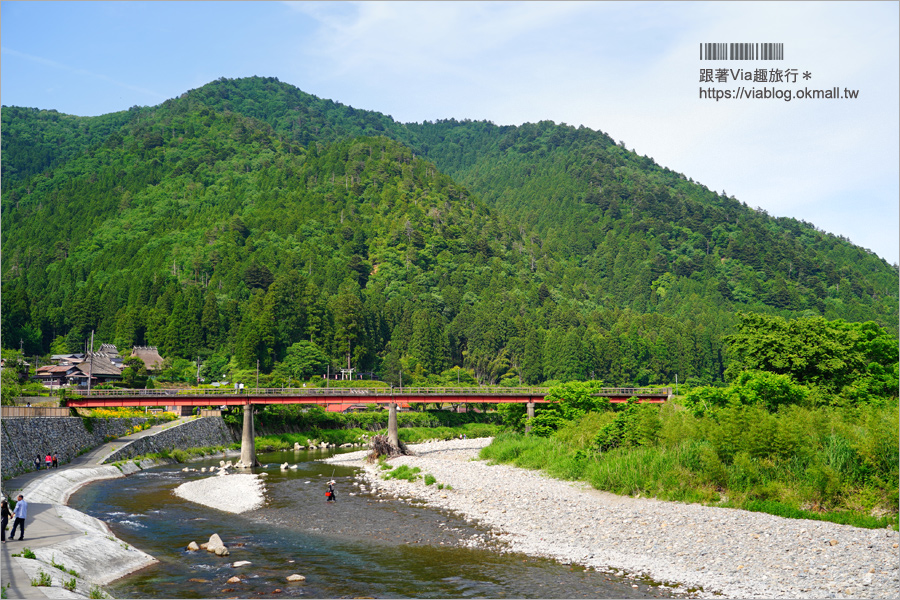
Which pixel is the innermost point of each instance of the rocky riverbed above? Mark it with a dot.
(722, 551)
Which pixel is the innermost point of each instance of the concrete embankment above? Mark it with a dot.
(733, 552)
(64, 536)
(23, 440)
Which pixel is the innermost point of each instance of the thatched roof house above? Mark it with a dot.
(152, 360)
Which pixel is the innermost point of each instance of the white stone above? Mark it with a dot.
(296, 577)
(241, 563)
(214, 543)
(193, 547)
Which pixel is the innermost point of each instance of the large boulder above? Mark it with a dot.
(214, 543)
(193, 547)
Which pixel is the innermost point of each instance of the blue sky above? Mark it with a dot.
(628, 69)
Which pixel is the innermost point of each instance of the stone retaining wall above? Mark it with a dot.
(24, 439)
(198, 433)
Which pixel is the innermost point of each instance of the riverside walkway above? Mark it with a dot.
(54, 532)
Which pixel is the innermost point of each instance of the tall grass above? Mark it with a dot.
(839, 464)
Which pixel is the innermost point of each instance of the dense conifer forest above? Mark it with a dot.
(248, 221)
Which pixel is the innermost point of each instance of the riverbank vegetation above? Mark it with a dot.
(408, 435)
(804, 430)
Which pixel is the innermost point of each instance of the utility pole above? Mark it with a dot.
(198, 371)
(91, 363)
(257, 375)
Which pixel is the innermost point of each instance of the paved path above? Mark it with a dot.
(44, 526)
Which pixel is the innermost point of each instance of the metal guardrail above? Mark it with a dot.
(314, 392)
(26, 412)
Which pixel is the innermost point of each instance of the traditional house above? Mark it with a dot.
(55, 375)
(112, 353)
(67, 359)
(98, 366)
(152, 360)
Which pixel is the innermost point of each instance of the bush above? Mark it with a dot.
(637, 425)
(42, 579)
(403, 472)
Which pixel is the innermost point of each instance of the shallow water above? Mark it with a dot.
(359, 546)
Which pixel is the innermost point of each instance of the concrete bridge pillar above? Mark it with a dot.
(393, 433)
(529, 407)
(248, 444)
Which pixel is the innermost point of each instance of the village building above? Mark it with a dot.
(153, 362)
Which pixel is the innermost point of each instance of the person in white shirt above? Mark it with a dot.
(20, 511)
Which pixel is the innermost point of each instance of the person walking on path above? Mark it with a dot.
(55, 461)
(20, 511)
(4, 518)
(37, 463)
(48, 460)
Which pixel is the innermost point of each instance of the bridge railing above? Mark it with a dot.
(374, 392)
(635, 391)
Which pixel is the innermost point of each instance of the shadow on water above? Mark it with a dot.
(360, 545)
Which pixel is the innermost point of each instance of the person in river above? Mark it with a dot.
(329, 495)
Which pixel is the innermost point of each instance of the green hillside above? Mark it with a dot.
(247, 220)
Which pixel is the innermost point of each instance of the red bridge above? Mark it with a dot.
(339, 399)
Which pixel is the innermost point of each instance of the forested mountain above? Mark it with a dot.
(247, 217)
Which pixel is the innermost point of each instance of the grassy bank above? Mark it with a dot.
(834, 464)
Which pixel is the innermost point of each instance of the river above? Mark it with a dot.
(359, 546)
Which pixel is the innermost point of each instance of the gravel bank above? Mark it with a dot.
(231, 493)
(724, 551)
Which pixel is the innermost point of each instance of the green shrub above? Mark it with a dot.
(637, 425)
(42, 579)
(429, 479)
(26, 553)
(403, 472)
(96, 593)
